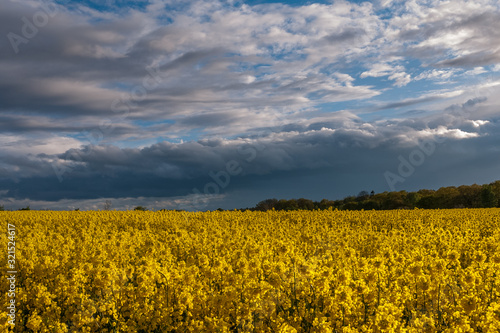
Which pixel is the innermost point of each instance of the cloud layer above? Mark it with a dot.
(150, 99)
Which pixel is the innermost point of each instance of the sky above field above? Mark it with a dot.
(203, 104)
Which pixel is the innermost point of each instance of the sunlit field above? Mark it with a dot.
(319, 271)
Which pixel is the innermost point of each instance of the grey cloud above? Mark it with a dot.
(463, 110)
(346, 35)
(482, 26)
(408, 102)
(77, 68)
(482, 58)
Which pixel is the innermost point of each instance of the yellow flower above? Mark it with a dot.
(452, 255)
(415, 269)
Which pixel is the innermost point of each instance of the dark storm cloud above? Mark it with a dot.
(122, 173)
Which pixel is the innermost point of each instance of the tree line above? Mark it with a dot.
(465, 196)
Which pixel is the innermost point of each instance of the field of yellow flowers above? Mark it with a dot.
(300, 271)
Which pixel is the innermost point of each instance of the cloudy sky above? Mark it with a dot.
(202, 104)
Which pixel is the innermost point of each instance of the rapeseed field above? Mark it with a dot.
(296, 271)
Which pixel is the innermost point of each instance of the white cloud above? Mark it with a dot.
(395, 73)
(247, 79)
(452, 133)
(436, 74)
(401, 78)
(476, 71)
(346, 79)
(378, 70)
(479, 123)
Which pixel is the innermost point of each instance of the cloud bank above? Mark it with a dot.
(149, 100)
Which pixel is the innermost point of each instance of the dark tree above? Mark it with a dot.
(352, 205)
(349, 199)
(369, 205)
(284, 204)
(495, 187)
(488, 198)
(470, 196)
(266, 204)
(305, 204)
(363, 195)
(325, 204)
